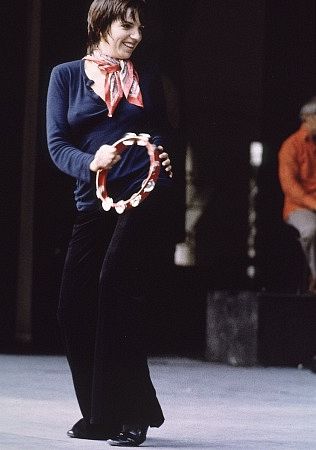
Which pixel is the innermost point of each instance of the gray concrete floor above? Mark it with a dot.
(206, 405)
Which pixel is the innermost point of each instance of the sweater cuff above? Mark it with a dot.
(85, 173)
(158, 140)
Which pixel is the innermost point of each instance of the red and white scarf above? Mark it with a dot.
(121, 79)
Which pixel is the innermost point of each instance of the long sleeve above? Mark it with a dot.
(67, 157)
(78, 125)
(289, 175)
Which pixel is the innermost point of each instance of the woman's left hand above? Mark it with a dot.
(166, 163)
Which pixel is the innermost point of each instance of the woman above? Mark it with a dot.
(111, 259)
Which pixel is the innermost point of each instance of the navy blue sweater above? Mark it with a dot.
(78, 124)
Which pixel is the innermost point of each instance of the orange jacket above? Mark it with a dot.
(297, 172)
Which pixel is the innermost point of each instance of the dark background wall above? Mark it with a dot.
(12, 109)
(242, 69)
(289, 80)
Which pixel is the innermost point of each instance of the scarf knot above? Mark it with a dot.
(121, 79)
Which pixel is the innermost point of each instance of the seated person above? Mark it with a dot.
(297, 173)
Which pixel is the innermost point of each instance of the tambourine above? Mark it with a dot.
(148, 183)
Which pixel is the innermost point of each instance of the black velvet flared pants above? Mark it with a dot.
(113, 266)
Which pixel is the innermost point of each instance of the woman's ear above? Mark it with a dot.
(103, 37)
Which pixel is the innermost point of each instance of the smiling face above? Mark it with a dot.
(122, 37)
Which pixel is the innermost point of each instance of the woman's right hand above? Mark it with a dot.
(105, 158)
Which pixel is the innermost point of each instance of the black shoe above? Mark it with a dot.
(82, 430)
(131, 437)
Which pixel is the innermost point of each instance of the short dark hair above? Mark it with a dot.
(103, 12)
(308, 109)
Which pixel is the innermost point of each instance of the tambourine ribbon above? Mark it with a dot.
(148, 183)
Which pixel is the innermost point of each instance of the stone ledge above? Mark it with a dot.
(246, 328)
